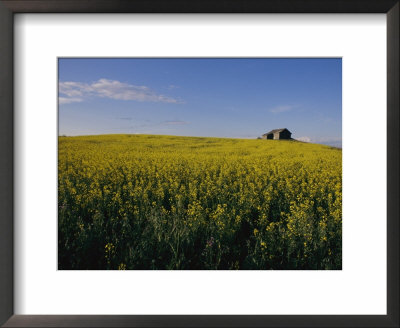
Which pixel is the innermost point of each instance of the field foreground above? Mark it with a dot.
(167, 202)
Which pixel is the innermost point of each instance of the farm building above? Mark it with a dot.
(278, 134)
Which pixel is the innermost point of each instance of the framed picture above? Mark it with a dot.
(165, 166)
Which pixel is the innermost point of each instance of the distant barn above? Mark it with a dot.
(278, 134)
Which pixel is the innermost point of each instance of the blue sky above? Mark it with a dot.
(226, 97)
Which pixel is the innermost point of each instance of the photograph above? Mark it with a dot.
(199, 163)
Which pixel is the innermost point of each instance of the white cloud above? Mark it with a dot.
(73, 89)
(175, 122)
(281, 109)
(112, 89)
(65, 100)
(330, 141)
(304, 139)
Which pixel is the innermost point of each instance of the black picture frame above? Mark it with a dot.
(10, 7)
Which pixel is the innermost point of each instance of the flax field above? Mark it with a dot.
(144, 202)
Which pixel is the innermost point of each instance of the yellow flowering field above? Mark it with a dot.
(133, 202)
